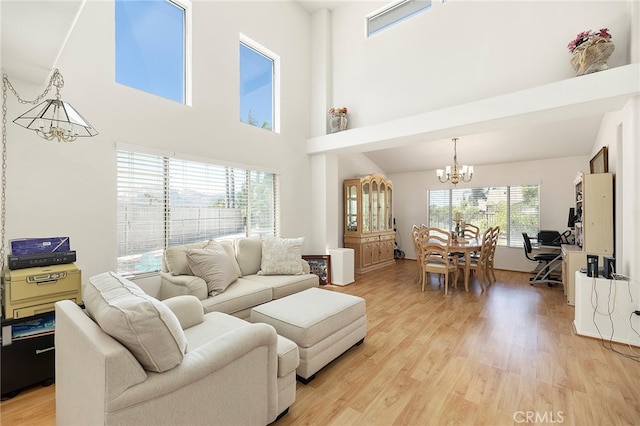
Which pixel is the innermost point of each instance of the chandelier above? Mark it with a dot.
(53, 118)
(454, 176)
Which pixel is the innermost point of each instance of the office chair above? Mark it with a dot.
(547, 262)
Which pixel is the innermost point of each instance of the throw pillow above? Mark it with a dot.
(144, 325)
(176, 258)
(214, 266)
(281, 256)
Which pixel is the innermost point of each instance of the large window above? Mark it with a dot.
(258, 85)
(166, 201)
(151, 46)
(516, 209)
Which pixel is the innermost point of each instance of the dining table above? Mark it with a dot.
(466, 246)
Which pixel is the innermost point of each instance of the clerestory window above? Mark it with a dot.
(152, 47)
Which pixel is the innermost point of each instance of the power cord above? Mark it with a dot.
(609, 343)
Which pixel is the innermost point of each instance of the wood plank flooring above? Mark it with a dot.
(505, 356)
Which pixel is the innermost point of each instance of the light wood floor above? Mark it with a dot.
(505, 356)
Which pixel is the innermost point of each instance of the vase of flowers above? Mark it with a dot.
(338, 119)
(590, 51)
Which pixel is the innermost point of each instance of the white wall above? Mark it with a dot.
(70, 189)
(555, 178)
(460, 51)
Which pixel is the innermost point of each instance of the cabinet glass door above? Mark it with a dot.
(375, 207)
(352, 208)
(383, 206)
(366, 207)
(389, 208)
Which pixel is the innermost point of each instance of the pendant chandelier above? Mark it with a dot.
(53, 118)
(452, 174)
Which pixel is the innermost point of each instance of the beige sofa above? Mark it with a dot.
(131, 359)
(260, 270)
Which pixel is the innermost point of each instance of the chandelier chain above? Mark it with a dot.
(55, 80)
(3, 199)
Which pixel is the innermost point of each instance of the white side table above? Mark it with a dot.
(342, 266)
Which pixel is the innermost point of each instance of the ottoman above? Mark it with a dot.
(323, 323)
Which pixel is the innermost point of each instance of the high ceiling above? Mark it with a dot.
(34, 33)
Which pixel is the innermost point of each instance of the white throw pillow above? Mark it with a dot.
(144, 325)
(281, 256)
(214, 266)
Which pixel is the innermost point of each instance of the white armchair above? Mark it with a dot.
(228, 374)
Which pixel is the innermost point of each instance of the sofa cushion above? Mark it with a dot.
(175, 257)
(284, 285)
(281, 256)
(214, 266)
(242, 294)
(144, 325)
(228, 246)
(249, 255)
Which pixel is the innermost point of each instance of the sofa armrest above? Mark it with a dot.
(179, 285)
(188, 309)
(219, 377)
(305, 267)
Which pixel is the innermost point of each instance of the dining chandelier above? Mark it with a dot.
(451, 174)
(52, 118)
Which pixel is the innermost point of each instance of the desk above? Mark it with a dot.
(473, 244)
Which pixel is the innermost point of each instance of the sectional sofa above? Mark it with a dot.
(234, 276)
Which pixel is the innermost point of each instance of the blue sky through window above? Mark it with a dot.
(256, 88)
(150, 47)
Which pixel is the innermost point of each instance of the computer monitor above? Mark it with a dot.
(572, 218)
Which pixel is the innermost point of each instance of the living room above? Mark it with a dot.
(494, 48)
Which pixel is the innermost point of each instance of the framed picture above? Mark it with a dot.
(321, 266)
(600, 162)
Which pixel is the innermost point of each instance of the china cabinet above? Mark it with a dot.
(368, 221)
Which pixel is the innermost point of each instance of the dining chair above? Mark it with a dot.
(480, 263)
(495, 234)
(471, 231)
(436, 259)
(415, 230)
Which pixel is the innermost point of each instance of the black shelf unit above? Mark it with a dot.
(26, 361)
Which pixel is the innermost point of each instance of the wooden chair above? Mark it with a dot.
(415, 229)
(471, 231)
(495, 234)
(435, 258)
(480, 263)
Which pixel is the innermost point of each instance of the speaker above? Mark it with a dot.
(609, 267)
(592, 265)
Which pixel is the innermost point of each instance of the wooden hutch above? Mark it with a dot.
(368, 221)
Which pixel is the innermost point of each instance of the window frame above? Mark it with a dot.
(275, 95)
(187, 83)
(394, 13)
(149, 172)
(508, 236)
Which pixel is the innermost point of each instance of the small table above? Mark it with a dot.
(471, 245)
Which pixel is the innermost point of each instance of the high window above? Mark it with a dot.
(163, 201)
(152, 46)
(393, 13)
(258, 85)
(516, 209)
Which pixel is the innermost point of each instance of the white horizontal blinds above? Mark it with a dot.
(394, 13)
(524, 204)
(439, 209)
(167, 201)
(141, 210)
(262, 204)
(202, 202)
(515, 209)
